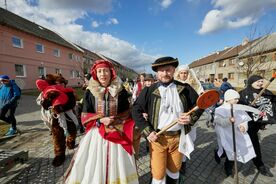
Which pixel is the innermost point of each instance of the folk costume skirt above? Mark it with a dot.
(100, 161)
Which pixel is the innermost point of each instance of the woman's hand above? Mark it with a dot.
(107, 120)
(184, 119)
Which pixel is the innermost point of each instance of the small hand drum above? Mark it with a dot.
(207, 99)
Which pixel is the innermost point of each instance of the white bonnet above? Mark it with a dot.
(231, 94)
(183, 67)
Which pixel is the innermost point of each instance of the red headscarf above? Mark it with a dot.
(102, 64)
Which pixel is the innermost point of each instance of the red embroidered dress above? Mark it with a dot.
(105, 154)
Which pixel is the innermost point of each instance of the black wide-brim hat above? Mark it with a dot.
(164, 61)
(148, 77)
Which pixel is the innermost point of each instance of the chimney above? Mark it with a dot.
(245, 41)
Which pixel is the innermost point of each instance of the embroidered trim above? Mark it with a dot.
(156, 113)
(98, 116)
(179, 88)
(130, 178)
(156, 92)
(98, 91)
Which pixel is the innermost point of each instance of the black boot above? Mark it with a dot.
(170, 180)
(183, 168)
(217, 158)
(228, 167)
(265, 171)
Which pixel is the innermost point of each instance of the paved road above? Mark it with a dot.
(201, 168)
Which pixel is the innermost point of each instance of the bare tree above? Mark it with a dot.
(254, 59)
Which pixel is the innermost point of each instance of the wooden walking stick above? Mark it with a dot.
(262, 91)
(234, 145)
(207, 99)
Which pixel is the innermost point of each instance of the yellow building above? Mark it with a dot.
(237, 63)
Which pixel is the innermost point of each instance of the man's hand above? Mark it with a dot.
(107, 120)
(184, 119)
(152, 137)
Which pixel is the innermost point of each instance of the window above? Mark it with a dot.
(77, 74)
(232, 61)
(39, 48)
(220, 75)
(74, 74)
(221, 63)
(70, 56)
(78, 58)
(41, 71)
(17, 42)
(58, 71)
(56, 52)
(230, 75)
(20, 70)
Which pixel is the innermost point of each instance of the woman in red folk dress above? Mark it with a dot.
(105, 154)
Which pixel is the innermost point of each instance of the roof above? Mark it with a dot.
(208, 59)
(118, 64)
(234, 51)
(12, 20)
(223, 54)
(90, 54)
(262, 45)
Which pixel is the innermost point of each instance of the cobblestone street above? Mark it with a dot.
(202, 167)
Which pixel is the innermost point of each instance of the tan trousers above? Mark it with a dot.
(164, 155)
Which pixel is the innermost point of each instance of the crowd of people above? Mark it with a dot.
(115, 114)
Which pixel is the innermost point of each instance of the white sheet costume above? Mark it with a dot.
(223, 127)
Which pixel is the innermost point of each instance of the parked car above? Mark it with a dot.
(208, 85)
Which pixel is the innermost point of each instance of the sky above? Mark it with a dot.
(135, 33)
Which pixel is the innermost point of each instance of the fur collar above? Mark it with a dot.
(98, 91)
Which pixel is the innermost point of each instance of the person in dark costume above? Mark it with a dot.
(266, 104)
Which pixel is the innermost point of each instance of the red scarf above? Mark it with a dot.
(125, 138)
(139, 89)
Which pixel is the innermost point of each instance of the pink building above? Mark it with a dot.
(28, 51)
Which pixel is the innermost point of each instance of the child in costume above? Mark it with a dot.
(223, 126)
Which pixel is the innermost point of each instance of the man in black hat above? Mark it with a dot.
(165, 101)
(265, 103)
